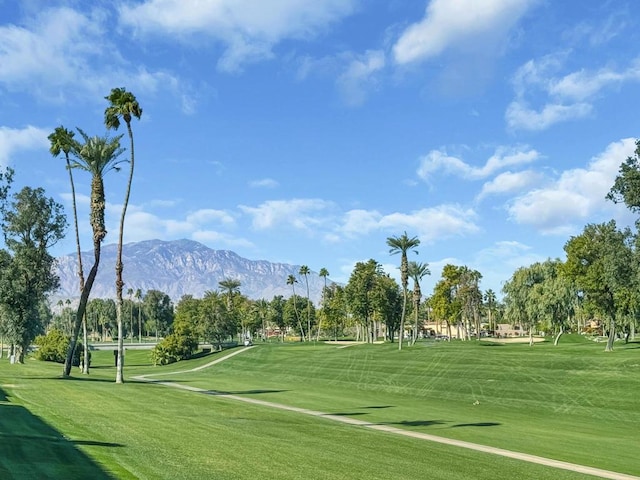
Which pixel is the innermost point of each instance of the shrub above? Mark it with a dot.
(53, 347)
(176, 346)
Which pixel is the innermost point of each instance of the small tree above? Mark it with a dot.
(32, 224)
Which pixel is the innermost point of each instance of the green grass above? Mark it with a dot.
(572, 402)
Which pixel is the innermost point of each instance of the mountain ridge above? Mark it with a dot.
(181, 267)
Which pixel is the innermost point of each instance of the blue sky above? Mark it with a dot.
(309, 132)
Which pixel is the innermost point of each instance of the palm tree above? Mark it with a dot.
(324, 273)
(98, 155)
(417, 272)
(292, 280)
(304, 271)
(402, 245)
(490, 303)
(62, 141)
(230, 287)
(122, 104)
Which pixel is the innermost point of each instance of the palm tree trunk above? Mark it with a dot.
(119, 266)
(82, 308)
(404, 309)
(85, 366)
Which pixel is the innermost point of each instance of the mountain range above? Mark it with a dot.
(182, 267)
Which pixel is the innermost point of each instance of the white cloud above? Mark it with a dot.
(211, 237)
(583, 84)
(431, 224)
(519, 116)
(562, 97)
(360, 76)
(63, 53)
(437, 160)
(510, 182)
(248, 28)
(208, 215)
(301, 214)
(452, 23)
(576, 195)
(13, 140)
(264, 183)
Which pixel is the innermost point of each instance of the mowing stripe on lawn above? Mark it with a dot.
(385, 428)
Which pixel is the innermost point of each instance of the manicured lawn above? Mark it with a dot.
(573, 403)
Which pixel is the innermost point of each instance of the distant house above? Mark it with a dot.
(506, 330)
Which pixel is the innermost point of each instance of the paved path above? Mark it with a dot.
(597, 472)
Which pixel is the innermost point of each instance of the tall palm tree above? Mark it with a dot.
(304, 271)
(324, 273)
(97, 155)
(417, 271)
(292, 280)
(402, 245)
(62, 141)
(122, 104)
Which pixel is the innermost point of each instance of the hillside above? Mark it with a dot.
(182, 267)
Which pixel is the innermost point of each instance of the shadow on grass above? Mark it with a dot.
(380, 406)
(479, 424)
(244, 392)
(346, 414)
(31, 448)
(416, 423)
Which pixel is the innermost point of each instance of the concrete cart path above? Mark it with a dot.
(525, 457)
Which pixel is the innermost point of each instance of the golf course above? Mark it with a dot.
(437, 410)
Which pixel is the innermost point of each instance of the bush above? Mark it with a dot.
(175, 347)
(53, 347)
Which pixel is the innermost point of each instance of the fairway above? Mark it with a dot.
(570, 403)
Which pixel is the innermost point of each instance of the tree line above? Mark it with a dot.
(598, 281)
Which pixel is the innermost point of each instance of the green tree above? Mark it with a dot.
(445, 303)
(293, 306)
(334, 310)
(122, 104)
(158, 310)
(138, 297)
(626, 187)
(600, 263)
(371, 298)
(32, 224)
(261, 311)
(417, 271)
(276, 314)
(387, 300)
(468, 290)
(402, 245)
(97, 155)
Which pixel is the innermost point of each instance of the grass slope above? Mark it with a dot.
(571, 402)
